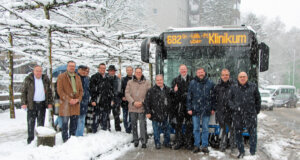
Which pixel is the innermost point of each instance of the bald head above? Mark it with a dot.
(242, 78)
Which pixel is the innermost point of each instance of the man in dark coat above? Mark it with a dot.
(179, 114)
(36, 96)
(244, 101)
(82, 72)
(124, 104)
(199, 105)
(102, 95)
(115, 107)
(222, 109)
(157, 109)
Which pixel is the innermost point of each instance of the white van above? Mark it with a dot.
(267, 100)
(284, 95)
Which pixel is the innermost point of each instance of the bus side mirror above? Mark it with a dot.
(145, 53)
(264, 57)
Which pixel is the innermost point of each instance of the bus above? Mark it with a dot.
(212, 48)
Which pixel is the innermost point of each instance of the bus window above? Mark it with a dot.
(276, 93)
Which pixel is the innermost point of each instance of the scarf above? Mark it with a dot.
(73, 82)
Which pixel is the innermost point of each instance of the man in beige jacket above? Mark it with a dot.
(135, 94)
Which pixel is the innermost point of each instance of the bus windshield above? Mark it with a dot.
(213, 59)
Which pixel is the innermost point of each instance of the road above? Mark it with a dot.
(278, 138)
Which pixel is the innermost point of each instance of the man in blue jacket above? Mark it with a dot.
(82, 72)
(199, 105)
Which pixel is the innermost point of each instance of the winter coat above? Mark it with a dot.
(199, 97)
(158, 103)
(136, 91)
(86, 94)
(115, 82)
(179, 98)
(244, 101)
(221, 106)
(123, 87)
(65, 92)
(29, 89)
(101, 91)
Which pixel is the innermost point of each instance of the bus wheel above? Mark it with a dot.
(214, 141)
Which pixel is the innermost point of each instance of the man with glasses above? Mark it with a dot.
(244, 101)
(69, 89)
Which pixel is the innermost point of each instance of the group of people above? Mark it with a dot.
(188, 103)
(192, 101)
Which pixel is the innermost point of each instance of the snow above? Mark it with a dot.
(276, 149)
(261, 115)
(7, 101)
(216, 154)
(45, 131)
(108, 145)
(213, 28)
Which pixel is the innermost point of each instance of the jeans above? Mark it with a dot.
(196, 130)
(157, 128)
(80, 125)
(58, 122)
(38, 112)
(65, 128)
(141, 117)
(126, 120)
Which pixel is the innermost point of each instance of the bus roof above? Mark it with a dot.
(213, 28)
(280, 86)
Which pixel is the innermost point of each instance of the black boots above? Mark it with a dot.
(241, 155)
(144, 146)
(196, 149)
(205, 150)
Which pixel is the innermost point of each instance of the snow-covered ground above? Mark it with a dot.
(104, 144)
(277, 141)
(272, 144)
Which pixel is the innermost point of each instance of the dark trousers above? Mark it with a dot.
(126, 119)
(184, 138)
(38, 112)
(252, 139)
(116, 113)
(100, 117)
(225, 136)
(65, 127)
(157, 128)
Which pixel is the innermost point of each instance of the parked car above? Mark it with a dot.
(286, 100)
(267, 100)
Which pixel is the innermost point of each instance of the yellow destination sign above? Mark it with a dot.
(179, 39)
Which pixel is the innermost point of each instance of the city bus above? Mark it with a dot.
(212, 48)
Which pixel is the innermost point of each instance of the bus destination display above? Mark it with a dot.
(216, 38)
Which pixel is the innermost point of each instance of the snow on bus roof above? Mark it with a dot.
(214, 28)
(279, 86)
